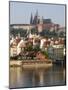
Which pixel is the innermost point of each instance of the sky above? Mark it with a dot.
(20, 12)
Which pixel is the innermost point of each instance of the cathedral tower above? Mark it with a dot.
(35, 20)
(31, 19)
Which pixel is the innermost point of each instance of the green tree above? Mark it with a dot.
(45, 53)
(34, 31)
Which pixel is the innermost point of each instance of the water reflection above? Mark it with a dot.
(20, 77)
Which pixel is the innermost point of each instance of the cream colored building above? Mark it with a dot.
(23, 26)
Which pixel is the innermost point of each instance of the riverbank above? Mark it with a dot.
(30, 64)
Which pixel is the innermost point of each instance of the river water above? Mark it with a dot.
(51, 76)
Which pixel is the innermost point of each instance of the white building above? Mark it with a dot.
(20, 46)
(42, 43)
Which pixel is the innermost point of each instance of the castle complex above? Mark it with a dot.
(38, 23)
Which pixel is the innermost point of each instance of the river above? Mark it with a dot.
(51, 76)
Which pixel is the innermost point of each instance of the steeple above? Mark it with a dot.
(36, 13)
(35, 21)
(31, 19)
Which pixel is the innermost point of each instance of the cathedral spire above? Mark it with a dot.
(35, 20)
(37, 13)
(31, 19)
